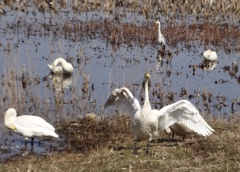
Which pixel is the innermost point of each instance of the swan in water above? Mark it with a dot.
(146, 121)
(210, 55)
(28, 126)
(61, 66)
(161, 38)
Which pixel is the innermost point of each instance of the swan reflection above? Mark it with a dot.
(60, 82)
(209, 65)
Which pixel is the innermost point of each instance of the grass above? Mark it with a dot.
(111, 150)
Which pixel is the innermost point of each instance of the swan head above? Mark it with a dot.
(157, 22)
(147, 77)
(9, 118)
(168, 131)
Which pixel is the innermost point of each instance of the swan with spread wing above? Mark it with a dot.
(146, 121)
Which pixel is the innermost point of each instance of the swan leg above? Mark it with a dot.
(148, 145)
(32, 141)
(183, 138)
(25, 144)
(172, 136)
(163, 46)
(135, 147)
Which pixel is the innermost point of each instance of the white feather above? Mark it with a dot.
(210, 55)
(61, 66)
(28, 126)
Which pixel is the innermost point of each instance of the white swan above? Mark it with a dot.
(161, 38)
(210, 55)
(146, 121)
(28, 126)
(61, 66)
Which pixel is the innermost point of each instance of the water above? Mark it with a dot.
(30, 42)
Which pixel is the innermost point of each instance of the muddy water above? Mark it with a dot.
(99, 68)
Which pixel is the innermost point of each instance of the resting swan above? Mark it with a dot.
(28, 126)
(61, 66)
(210, 55)
(146, 121)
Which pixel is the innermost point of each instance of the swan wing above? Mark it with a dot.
(185, 112)
(123, 98)
(33, 125)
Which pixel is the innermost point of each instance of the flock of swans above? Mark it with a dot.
(209, 56)
(180, 117)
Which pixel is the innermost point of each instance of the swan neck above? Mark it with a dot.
(9, 119)
(159, 30)
(146, 93)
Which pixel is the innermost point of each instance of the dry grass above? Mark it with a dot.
(105, 146)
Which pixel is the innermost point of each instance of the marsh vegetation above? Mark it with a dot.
(112, 44)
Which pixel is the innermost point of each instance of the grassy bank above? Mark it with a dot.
(111, 150)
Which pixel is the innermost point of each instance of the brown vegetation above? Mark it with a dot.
(107, 146)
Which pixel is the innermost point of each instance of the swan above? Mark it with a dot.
(178, 128)
(161, 38)
(28, 126)
(61, 66)
(145, 121)
(210, 55)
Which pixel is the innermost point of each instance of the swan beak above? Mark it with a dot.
(12, 127)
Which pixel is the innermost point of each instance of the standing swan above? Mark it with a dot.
(146, 121)
(61, 66)
(210, 55)
(161, 38)
(28, 126)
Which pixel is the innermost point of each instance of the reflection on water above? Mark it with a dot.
(60, 82)
(209, 65)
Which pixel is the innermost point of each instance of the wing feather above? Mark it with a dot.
(29, 121)
(123, 98)
(185, 112)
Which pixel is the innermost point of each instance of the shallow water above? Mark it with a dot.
(107, 66)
